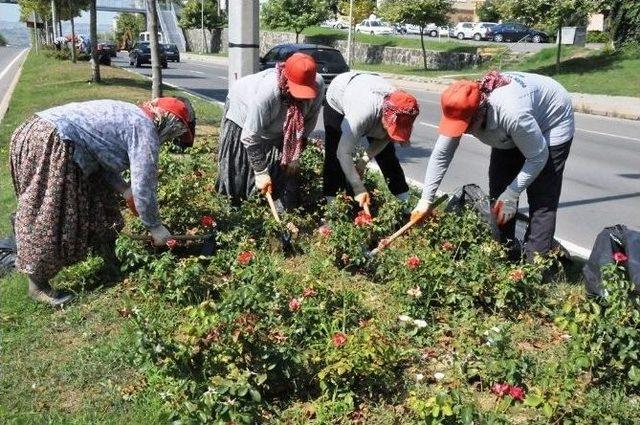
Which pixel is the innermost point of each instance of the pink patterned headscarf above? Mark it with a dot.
(293, 128)
(487, 84)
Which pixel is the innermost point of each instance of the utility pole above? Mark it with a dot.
(204, 37)
(243, 38)
(350, 36)
(54, 20)
(36, 40)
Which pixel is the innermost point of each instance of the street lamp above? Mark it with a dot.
(350, 37)
(204, 38)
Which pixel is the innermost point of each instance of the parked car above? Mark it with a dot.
(329, 60)
(335, 23)
(463, 30)
(172, 52)
(109, 47)
(432, 30)
(480, 30)
(374, 26)
(515, 32)
(104, 54)
(140, 54)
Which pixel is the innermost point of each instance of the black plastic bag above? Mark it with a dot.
(470, 195)
(618, 238)
(8, 253)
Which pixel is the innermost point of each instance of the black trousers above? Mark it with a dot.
(543, 195)
(334, 180)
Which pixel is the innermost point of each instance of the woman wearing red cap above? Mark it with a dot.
(266, 121)
(365, 105)
(527, 119)
(66, 164)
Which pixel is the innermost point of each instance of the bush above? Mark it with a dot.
(598, 37)
(3, 41)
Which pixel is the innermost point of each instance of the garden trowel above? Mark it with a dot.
(285, 232)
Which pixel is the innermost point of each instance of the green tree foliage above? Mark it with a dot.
(295, 15)
(624, 19)
(128, 26)
(489, 11)
(361, 9)
(191, 15)
(27, 7)
(417, 12)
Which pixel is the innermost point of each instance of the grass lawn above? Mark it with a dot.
(436, 44)
(73, 366)
(420, 334)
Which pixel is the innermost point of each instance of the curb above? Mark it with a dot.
(4, 103)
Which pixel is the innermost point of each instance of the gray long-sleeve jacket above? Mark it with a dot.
(359, 98)
(110, 137)
(256, 106)
(531, 113)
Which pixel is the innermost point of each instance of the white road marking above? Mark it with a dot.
(426, 124)
(6, 70)
(617, 136)
(222, 78)
(196, 72)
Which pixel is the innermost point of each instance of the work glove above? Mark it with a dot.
(263, 182)
(128, 198)
(506, 206)
(361, 164)
(160, 235)
(421, 211)
(363, 199)
(292, 168)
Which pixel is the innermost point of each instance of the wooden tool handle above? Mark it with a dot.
(272, 205)
(395, 236)
(366, 209)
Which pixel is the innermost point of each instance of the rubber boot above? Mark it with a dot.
(43, 292)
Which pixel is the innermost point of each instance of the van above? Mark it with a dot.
(145, 36)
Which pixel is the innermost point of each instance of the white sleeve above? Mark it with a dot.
(346, 149)
(441, 157)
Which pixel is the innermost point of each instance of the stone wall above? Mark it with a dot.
(217, 44)
(370, 53)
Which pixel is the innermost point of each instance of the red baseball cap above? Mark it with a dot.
(178, 108)
(459, 102)
(403, 108)
(300, 70)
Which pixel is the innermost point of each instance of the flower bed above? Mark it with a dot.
(438, 328)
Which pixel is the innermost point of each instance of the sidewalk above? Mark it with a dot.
(595, 104)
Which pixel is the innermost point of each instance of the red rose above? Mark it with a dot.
(413, 262)
(309, 292)
(517, 393)
(245, 257)
(339, 339)
(516, 275)
(448, 246)
(325, 231)
(500, 389)
(207, 221)
(294, 304)
(171, 243)
(620, 257)
(363, 219)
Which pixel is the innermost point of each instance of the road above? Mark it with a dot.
(602, 176)
(9, 64)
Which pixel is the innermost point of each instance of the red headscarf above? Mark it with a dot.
(293, 128)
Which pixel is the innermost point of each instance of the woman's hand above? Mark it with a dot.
(128, 198)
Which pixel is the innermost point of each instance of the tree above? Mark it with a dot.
(488, 11)
(93, 35)
(191, 15)
(152, 27)
(69, 10)
(361, 9)
(624, 19)
(128, 26)
(294, 14)
(417, 12)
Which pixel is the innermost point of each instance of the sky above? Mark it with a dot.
(11, 13)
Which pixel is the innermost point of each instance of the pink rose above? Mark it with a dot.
(294, 304)
(517, 393)
(325, 231)
(363, 219)
(413, 262)
(245, 257)
(309, 292)
(171, 243)
(207, 221)
(339, 339)
(516, 275)
(620, 257)
(500, 389)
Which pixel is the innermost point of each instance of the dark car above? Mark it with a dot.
(104, 54)
(140, 54)
(109, 47)
(173, 54)
(515, 32)
(329, 60)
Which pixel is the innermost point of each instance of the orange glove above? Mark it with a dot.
(422, 211)
(363, 199)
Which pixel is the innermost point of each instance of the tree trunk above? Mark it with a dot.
(60, 28)
(152, 27)
(424, 51)
(559, 48)
(54, 19)
(73, 41)
(297, 36)
(46, 31)
(36, 36)
(93, 34)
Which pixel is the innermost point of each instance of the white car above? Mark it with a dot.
(463, 30)
(480, 32)
(372, 26)
(432, 30)
(335, 23)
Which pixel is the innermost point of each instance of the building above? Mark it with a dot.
(465, 11)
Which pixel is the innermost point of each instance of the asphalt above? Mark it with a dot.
(602, 176)
(9, 65)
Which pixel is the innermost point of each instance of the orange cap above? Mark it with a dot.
(178, 108)
(300, 71)
(403, 110)
(459, 102)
